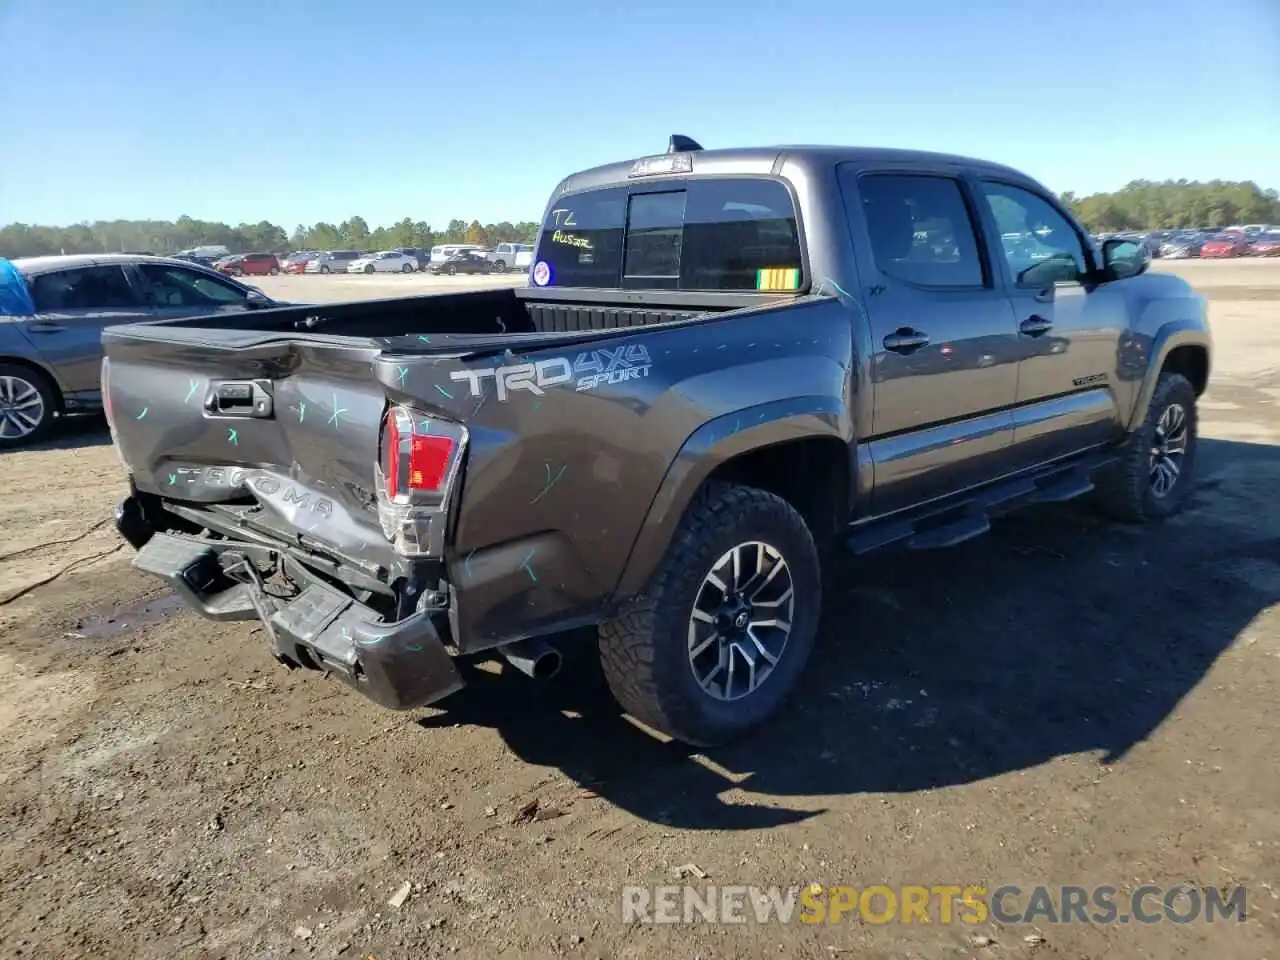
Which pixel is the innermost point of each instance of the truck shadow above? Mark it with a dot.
(1059, 633)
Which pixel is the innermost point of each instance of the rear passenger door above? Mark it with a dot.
(73, 307)
(944, 366)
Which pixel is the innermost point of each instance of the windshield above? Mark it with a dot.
(727, 234)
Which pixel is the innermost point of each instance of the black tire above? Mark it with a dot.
(645, 650)
(453, 271)
(22, 379)
(274, 271)
(369, 268)
(1126, 490)
(407, 268)
(500, 266)
(324, 269)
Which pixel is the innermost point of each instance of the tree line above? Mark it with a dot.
(170, 236)
(1139, 205)
(1169, 204)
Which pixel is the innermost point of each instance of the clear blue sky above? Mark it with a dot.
(241, 110)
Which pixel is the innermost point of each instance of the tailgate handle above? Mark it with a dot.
(240, 398)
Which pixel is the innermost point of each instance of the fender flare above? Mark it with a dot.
(1169, 337)
(711, 445)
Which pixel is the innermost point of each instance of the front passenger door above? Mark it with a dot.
(944, 344)
(1069, 327)
(175, 292)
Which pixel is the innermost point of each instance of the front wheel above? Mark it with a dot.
(27, 405)
(1152, 478)
(716, 644)
(274, 271)
(324, 269)
(369, 268)
(500, 266)
(453, 271)
(407, 268)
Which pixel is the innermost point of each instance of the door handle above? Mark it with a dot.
(44, 326)
(905, 340)
(1035, 325)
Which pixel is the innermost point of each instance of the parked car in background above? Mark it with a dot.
(1265, 244)
(524, 259)
(332, 261)
(505, 255)
(1182, 246)
(296, 262)
(442, 252)
(208, 251)
(249, 265)
(421, 257)
(1223, 245)
(387, 261)
(468, 261)
(50, 362)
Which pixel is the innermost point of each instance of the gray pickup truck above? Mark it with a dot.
(728, 363)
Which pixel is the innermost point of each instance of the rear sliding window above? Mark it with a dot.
(728, 234)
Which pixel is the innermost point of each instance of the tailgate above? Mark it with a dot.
(290, 424)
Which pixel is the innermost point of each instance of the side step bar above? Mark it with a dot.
(967, 515)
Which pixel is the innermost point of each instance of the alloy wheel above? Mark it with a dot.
(21, 408)
(1168, 450)
(741, 621)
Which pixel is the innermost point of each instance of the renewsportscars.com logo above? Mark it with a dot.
(589, 370)
(942, 904)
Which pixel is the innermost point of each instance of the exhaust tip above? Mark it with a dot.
(546, 666)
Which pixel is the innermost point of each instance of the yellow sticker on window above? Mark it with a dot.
(778, 278)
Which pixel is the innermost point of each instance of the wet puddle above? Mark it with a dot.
(138, 614)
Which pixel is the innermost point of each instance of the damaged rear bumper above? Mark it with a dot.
(398, 665)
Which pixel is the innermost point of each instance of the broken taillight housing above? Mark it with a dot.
(418, 465)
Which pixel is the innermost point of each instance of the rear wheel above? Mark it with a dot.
(453, 271)
(500, 266)
(324, 269)
(717, 643)
(369, 268)
(1152, 479)
(28, 402)
(407, 268)
(274, 271)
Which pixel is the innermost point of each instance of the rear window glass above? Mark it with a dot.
(722, 235)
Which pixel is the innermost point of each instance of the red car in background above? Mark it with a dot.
(1223, 245)
(297, 262)
(1266, 244)
(249, 265)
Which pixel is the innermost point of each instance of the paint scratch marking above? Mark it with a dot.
(335, 418)
(443, 392)
(528, 569)
(173, 479)
(401, 374)
(550, 481)
(233, 437)
(302, 410)
(191, 392)
(142, 413)
(466, 563)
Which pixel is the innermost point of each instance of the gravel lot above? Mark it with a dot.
(1062, 702)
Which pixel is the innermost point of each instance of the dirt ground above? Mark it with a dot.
(1061, 702)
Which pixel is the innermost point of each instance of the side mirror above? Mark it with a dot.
(1122, 259)
(255, 299)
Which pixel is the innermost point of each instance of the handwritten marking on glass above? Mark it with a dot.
(550, 481)
(564, 217)
(571, 240)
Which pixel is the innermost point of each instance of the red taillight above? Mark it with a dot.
(414, 459)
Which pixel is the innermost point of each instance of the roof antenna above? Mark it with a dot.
(679, 143)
